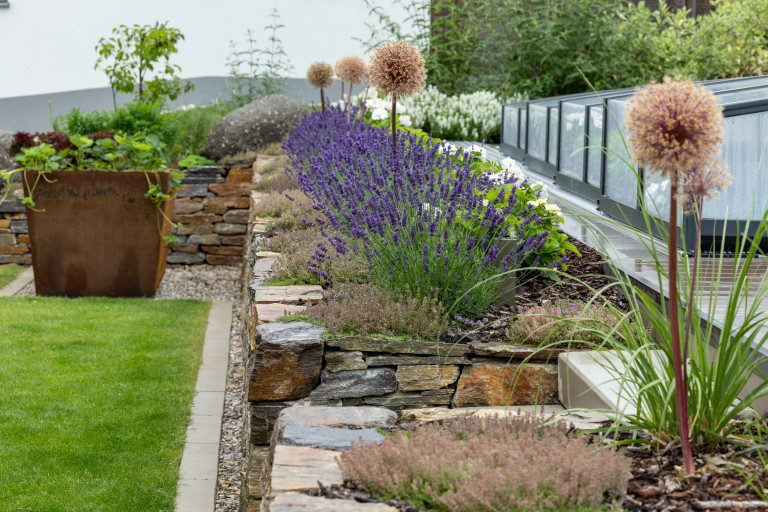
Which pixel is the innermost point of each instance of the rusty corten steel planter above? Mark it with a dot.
(95, 234)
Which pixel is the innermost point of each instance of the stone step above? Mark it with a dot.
(594, 380)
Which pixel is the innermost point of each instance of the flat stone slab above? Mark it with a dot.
(400, 400)
(271, 312)
(338, 417)
(366, 344)
(263, 266)
(441, 413)
(325, 438)
(355, 384)
(298, 468)
(510, 351)
(267, 254)
(500, 384)
(293, 502)
(342, 361)
(300, 294)
(424, 377)
(387, 360)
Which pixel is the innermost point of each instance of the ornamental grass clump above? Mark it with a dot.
(576, 325)
(397, 70)
(676, 129)
(368, 309)
(320, 76)
(417, 214)
(488, 464)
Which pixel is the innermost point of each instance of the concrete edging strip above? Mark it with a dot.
(17, 284)
(196, 490)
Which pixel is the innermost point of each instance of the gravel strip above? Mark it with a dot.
(214, 283)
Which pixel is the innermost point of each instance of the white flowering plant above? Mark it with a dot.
(378, 113)
(475, 116)
(508, 176)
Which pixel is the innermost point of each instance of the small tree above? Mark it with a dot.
(131, 54)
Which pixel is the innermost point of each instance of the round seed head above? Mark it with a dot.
(320, 75)
(675, 127)
(397, 69)
(352, 69)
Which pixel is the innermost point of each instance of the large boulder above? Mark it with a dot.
(6, 162)
(268, 119)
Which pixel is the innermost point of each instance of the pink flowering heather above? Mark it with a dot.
(488, 464)
(368, 309)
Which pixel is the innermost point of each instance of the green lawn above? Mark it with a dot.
(8, 273)
(94, 400)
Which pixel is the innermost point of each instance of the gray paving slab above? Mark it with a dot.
(325, 438)
(17, 284)
(196, 490)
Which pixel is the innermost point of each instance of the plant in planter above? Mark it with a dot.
(99, 212)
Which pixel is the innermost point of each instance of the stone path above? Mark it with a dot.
(197, 475)
(17, 284)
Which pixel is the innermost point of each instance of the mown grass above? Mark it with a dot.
(95, 399)
(8, 273)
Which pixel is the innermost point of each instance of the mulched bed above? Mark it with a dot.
(537, 290)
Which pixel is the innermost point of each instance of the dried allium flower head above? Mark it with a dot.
(704, 183)
(674, 127)
(398, 69)
(320, 75)
(352, 69)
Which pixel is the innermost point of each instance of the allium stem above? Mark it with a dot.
(681, 387)
(342, 90)
(365, 100)
(349, 104)
(322, 99)
(394, 127)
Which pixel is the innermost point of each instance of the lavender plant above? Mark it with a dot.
(423, 225)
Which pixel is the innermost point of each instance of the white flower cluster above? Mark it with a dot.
(509, 167)
(382, 109)
(473, 116)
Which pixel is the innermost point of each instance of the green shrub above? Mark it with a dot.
(194, 125)
(194, 161)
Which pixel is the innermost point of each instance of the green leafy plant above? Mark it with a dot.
(101, 151)
(256, 72)
(194, 161)
(131, 54)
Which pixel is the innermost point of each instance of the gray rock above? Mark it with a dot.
(186, 258)
(366, 344)
(19, 227)
(192, 191)
(268, 119)
(205, 170)
(12, 206)
(391, 360)
(337, 417)
(328, 438)
(287, 361)
(340, 361)
(355, 384)
(398, 401)
(211, 239)
(225, 228)
(237, 216)
(6, 161)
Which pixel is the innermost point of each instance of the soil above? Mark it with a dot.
(537, 290)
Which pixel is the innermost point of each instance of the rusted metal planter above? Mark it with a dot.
(93, 233)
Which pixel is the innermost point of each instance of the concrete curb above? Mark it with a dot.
(17, 284)
(196, 490)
